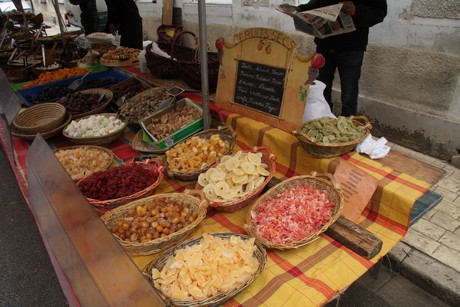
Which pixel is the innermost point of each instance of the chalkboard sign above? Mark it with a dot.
(260, 87)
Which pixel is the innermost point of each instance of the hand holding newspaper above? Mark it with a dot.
(321, 22)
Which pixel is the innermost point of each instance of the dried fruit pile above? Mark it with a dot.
(118, 182)
(152, 220)
(293, 215)
(51, 76)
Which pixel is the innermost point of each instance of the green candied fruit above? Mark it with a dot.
(333, 130)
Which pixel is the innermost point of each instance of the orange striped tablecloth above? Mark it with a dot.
(310, 275)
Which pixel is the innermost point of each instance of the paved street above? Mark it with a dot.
(28, 279)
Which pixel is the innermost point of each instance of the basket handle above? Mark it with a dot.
(198, 194)
(304, 136)
(225, 128)
(175, 39)
(155, 161)
(362, 120)
(329, 177)
(263, 149)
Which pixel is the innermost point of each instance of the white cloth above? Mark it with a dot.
(375, 149)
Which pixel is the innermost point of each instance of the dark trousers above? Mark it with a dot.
(348, 63)
(131, 33)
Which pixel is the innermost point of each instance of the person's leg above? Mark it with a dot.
(349, 65)
(326, 74)
(131, 33)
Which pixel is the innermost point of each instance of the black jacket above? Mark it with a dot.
(368, 13)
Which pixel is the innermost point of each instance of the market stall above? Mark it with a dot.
(93, 267)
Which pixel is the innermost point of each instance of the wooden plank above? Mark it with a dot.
(167, 17)
(349, 234)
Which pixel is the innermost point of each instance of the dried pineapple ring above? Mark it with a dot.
(239, 178)
(209, 192)
(202, 180)
(232, 163)
(248, 168)
(225, 158)
(238, 172)
(221, 188)
(218, 175)
(255, 158)
(262, 171)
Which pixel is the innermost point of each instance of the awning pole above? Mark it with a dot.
(204, 63)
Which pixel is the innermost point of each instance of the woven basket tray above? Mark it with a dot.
(46, 135)
(325, 150)
(40, 118)
(105, 165)
(108, 95)
(102, 206)
(260, 254)
(232, 206)
(96, 140)
(193, 199)
(326, 184)
(226, 134)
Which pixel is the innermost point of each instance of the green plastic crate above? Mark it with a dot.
(177, 136)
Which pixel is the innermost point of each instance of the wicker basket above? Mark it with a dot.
(326, 150)
(96, 140)
(231, 206)
(226, 134)
(46, 135)
(260, 254)
(125, 87)
(108, 163)
(326, 184)
(102, 206)
(184, 63)
(40, 118)
(193, 199)
(108, 95)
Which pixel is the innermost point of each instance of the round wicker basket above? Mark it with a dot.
(225, 133)
(329, 150)
(108, 95)
(326, 184)
(46, 135)
(231, 206)
(40, 118)
(102, 206)
(193, 199)
(260, 254)
(96, 140)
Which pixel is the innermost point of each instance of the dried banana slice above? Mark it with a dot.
(240, 179)
(217, 176)
(238, 172)
(262, 171)
(232, 163)
(225, 158)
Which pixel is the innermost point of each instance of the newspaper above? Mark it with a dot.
(321, 22)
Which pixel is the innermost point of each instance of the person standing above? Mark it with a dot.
(123, 16)
(345, 52)
(88, 16)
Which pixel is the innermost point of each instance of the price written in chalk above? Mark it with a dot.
(260, 87)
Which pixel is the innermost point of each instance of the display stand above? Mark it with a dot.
(9, 107)
(91, 266)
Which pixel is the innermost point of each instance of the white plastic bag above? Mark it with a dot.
(376, 149)
(143, 62)
(316, 105)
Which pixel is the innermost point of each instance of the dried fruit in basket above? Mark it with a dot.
(118, 182)
(196, 153)
(78, 103)
(155, 219)
(295, 214)
(234, 177)
(333, 130)
(212, 267)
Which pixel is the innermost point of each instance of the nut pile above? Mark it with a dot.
(83, 161)
(143, 104)
(121, 53)
(196, 153)
(172, 121)
(154, 219)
